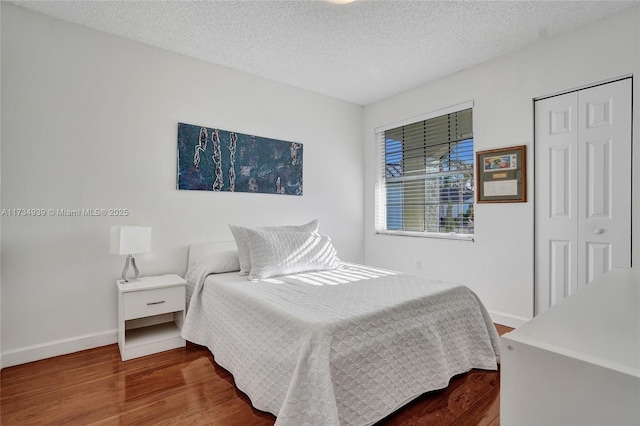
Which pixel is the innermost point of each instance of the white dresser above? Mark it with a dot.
(578, 363)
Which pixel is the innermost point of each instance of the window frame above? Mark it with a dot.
(380, 213)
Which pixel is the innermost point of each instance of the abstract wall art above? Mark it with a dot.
(220, 160)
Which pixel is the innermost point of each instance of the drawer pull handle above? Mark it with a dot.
(155, 303)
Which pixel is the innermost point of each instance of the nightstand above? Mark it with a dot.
(150, 315)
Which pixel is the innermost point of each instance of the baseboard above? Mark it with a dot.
(57, 347)
(509, 320)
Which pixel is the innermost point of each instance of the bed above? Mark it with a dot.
(347, 345)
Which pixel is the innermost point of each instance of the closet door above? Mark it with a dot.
(556, 200)
(604, 176)
(582, 188)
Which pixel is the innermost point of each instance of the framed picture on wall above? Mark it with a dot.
(501, 175)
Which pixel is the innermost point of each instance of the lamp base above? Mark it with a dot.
(130, 261)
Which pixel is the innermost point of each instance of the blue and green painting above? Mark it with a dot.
(221, 160)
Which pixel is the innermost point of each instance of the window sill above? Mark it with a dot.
(441, 236)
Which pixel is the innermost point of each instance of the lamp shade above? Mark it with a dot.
(130, 239)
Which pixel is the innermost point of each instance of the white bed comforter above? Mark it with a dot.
(347, 346)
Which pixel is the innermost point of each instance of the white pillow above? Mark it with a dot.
(215, 263)
(242, 239)
(282, 253)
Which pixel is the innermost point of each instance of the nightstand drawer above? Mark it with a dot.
(138, 304)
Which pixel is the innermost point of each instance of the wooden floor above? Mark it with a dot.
(186, 387)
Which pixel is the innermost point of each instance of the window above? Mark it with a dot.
(425, 182)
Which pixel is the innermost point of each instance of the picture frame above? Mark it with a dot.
(501, 175)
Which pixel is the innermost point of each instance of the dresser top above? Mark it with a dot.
(146, 283)
(599, 324)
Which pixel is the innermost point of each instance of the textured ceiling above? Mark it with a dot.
(360, 52)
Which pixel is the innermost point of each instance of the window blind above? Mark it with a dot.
(425, 175)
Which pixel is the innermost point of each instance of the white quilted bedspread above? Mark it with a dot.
(347, 346)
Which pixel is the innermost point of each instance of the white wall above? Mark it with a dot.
(90, 121)
(0, 187)
(499, 265)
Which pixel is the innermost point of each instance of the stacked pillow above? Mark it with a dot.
(279, 250)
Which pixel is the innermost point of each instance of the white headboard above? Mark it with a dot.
(199, 250)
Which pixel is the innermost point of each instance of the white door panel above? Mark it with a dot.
(604, 225)
(562, 281)
(555, 159)
(597, 187)
(582, 188)
(598, 259)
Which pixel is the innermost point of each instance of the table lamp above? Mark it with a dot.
(130, 240)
